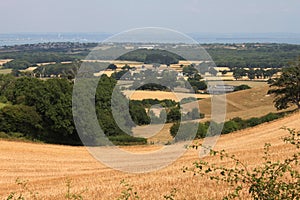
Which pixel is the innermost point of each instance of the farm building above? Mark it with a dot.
(220, 88)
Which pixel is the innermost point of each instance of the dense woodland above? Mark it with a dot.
(151, 56)
(31, 54)
(42, 110)
(252, 55)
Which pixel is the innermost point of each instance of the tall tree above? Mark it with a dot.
(287, 87)
(239, 73)
(251, 74)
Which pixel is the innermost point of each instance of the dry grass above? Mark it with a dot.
(5, 71)
(29, 69)
(47, 166)
(160, 95)
(157, 133)
(3, 61)
(254, 102)
(253, 84)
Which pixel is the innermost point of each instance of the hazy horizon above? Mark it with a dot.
(190, 16)
(202, 38)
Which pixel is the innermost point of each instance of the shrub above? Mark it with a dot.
(241, 123)
(242, 87)
(194, 114)
(4, 135)
(128, 192)
(188, 100)
(174, 129)
(200, 85)
(138, 114)
(3, 99)
(24, 191)
(202, 130)
(127, 140)
(184, 131)
(254, 121)
(230, 126)
(20, 118)
(174, 114)
(72, 195)
(269, 117)
(212, 128)
(270, 180)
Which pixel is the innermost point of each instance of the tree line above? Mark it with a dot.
(254, 55)
(42, 110)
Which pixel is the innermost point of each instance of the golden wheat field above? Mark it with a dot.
(252, 84)
(254, 102)
(3, 61)
(47, 167)
(160, 95)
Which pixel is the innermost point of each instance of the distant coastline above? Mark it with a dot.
(33, 38)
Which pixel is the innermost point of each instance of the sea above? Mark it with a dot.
(202, 38)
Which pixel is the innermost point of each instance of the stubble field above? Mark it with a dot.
(47, 167)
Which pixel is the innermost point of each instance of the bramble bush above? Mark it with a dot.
(26, 193)
(270, 181)
(125, 139)
(128, 193)
(22, 191)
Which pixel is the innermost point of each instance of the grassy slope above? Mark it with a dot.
(254, 102)
(47, 167)
(245, 104)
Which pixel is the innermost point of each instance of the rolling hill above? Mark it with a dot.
(249, 103)
(47, 167)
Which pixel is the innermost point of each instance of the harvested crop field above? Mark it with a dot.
(253, 84)
(249, 103)
(47, 167)
(160, 95)
(3, 61)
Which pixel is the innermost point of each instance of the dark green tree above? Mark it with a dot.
(189, 71)
(174, 114)
(238, 73)
(112, 66)
(138, 114)
(287, 87)
(22, 119)
(251, 74)
(104, 102)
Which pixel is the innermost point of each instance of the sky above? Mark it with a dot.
(113, 16)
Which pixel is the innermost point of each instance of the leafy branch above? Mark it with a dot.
(271, 180)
